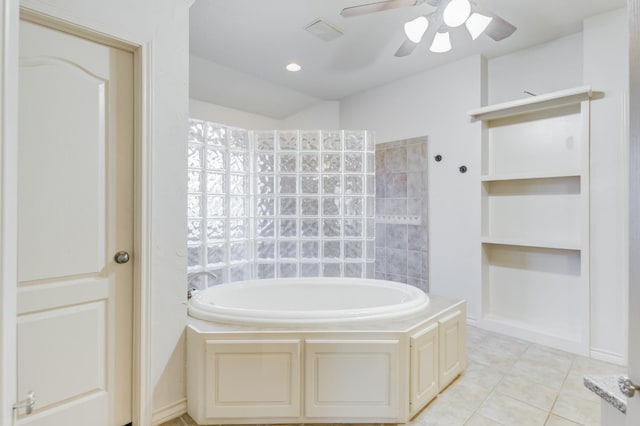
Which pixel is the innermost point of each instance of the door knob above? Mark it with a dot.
(627, 387)
(121, 257)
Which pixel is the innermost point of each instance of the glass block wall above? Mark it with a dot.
(266, 204)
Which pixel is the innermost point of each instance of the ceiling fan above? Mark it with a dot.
(448, 14)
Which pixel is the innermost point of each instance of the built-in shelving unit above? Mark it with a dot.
(535, 218)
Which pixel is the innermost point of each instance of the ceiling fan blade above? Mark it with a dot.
(499, 29)
(406, 48)
(364, 9)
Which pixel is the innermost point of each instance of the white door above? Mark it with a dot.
(633, 404)
(75, 211)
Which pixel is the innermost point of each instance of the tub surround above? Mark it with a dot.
(379, 371)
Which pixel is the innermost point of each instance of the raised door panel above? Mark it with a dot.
(452, 347)
(351, 378)
(252, 378)
(424, 367)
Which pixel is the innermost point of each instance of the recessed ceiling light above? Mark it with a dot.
(293, 67)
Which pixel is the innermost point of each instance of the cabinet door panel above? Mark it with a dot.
(424, 367)
(452, 342)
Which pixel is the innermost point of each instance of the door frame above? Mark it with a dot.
(143, 83)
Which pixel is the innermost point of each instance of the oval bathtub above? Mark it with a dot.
(306, 301)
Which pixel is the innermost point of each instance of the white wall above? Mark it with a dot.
(434, 103)
(606, 70)
(539, 69)
(164, 23)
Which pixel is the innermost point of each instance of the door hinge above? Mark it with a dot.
(27, 404)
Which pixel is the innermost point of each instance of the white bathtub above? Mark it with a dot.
(319, 350)
(296, 301)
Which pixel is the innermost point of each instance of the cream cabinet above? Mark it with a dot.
(535, 218)
(424, 380)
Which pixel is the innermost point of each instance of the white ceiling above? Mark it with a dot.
(247, 43)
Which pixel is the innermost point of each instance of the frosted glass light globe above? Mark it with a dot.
(456, 12)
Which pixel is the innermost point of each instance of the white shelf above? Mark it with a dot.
(532, 104)
(558, 245)
(532, 175)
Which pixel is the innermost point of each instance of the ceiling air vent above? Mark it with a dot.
(323, 30)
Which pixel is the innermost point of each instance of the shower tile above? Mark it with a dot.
(396, 185)
(353, 162)
(309, 206)
(414, 185)
(353, 228)
(380, 264)
(287, 185)
(417, 237)
(194, 181)
(309, 269)
(310, 249)
(265, 163)
(265, 185)
(395, 206)
(288, 206)
(379, 158)
(215, 229)
(238, 184)
(288, 250)
(310, 184)
(353, 250)
(287, 270)
(354, 140)
(238, 229)
(331, 228)
(331, 163)
(238, 162)
(396, 262)
(194, 231)
(331, 141)
(331, 250)
(395, 159)
(265, 270)
(397, 236)
(331, 206)
(194, 255)
(238, 252)
(380, 275)
(194, 156)
(353, 185)
(353, 206)
(238, 207)
(414, 264)
(266, 228)
(309, 228)
(381, 208)
(287, 163)
(194, 206)
(264, 140)
(288, 228)
(288, 140)
(196, 131)
(238, 139)
(414, 206)
(416, 157)
(266, 250)
(216, 253)
(353, 270)
(331, 184)
(215, 159)
(397, 278)
(381, 183)
(331, 269)
(381, 235)
(309, 163)
(215, 134)
(310, 141)
(216, 183)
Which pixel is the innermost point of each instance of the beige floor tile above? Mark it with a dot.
(574, 386)
(579, 410)
(586, 365)
(442, 412)
(509, 411)
(559, 421)
(540, 373)
(523, 390)
(478, 420)
(188, 420)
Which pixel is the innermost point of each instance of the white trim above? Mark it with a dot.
(169, 412)
(141, 362)
(606, 356)
(8, 205)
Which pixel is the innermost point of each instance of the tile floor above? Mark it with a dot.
(511, 382)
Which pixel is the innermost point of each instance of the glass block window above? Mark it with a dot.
(219, 203)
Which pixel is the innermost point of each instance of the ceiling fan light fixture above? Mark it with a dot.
(476, 24)
(441, 42)
(415, 29)
(456, 13)
(293, 67)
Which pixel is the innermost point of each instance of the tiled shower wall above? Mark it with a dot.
(266, 204)
(401, 212)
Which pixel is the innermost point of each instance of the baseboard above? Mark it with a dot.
(611, 357)
(169, 412)
(472, 321)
